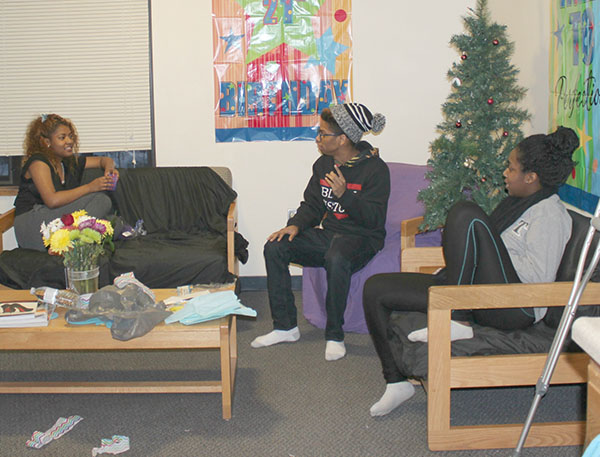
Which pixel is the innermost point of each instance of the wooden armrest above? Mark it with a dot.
(422, 260)
(485, 296)
(9, 191)
(7, 221)
(414, 259)
(408, 230)
(232, 263)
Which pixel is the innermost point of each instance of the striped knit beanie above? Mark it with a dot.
(355, 119)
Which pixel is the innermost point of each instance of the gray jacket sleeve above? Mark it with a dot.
(537, 240)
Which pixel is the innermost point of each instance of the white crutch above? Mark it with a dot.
(564, 327)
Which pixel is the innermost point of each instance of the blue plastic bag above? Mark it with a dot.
(208, 307)
(593, 449)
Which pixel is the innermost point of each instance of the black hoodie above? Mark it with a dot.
(361, 210)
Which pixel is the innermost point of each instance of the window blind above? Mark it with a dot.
(87, 60)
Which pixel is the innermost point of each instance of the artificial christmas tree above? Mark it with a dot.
(482, 122)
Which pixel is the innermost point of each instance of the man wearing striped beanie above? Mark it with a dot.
(340, 224)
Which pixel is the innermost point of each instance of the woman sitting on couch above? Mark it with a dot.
(523, 240)
(51, 179)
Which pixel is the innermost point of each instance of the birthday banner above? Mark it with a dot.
(575, 93)
(277, 65)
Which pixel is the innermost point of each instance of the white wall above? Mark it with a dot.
(401, 56)
(528, 25)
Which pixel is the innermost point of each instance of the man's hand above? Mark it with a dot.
(337, 181)
(291, 230)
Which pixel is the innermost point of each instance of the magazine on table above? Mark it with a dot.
(22, 314)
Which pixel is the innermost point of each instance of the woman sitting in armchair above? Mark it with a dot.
(522, 240)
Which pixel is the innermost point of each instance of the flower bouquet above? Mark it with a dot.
(80, 239)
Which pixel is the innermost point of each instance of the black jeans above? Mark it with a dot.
(341, 255)
(474, 254)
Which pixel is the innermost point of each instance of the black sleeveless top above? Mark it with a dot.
(28, 195)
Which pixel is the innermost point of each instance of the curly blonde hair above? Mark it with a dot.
(43, 127)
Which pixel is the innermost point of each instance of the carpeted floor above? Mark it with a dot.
(288, 402)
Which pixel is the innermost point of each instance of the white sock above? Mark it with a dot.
(275, 337)
(395, 394)
(457, 332)
(334, 350)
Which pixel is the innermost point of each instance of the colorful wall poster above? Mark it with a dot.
(575, 93)
(277, 65)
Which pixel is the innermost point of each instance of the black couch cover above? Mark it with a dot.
(184, 210)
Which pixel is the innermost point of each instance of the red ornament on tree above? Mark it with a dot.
(495, 42)
(458, 124)
(464, 56)
(505, 133)
(490, 101)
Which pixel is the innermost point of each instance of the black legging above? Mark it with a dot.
(474, 254)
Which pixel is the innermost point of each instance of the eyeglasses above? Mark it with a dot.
(320, 134)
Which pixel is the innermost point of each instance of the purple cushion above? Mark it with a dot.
(406, 181)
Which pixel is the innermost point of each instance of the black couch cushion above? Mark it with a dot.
(568, 267)
(160, 259)
(411, 358)
(192, 200)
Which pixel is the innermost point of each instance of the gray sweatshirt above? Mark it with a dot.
(536, 242)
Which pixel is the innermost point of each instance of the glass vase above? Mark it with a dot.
(82, 282)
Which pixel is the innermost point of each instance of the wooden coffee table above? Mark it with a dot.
(60, 336)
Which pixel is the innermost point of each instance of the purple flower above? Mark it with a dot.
(92, 223)
(99, 227)
(88, 223)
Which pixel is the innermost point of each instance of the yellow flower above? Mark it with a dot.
(60, 241)
(108, 225)
(77, 214)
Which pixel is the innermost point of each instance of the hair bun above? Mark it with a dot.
(564, 140)
(378, 122)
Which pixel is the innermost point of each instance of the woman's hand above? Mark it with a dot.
(102, 183)
(108, 165)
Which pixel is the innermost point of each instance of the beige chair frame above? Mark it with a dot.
(447, 372)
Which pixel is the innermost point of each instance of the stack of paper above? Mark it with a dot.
(22, 314)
